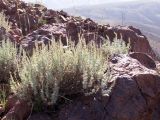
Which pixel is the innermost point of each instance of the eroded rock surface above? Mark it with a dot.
(144, 59)
(31, 18)
(17, 109)
(131, 94)
(130, 90)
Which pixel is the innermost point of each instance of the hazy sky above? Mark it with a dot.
(60, 4)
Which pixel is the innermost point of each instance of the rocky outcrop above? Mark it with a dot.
(21, 13)
(72, 30)
(144, 59)
(129, 91)
(138, 42)
(31, 18)
(131, 94)
(17, 109)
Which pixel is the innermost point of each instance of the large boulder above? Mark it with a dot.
(129, 92)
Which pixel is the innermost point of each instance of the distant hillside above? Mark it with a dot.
(143, 15)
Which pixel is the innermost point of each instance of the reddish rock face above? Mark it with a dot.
(138, 42)
(15, 34)
(131, 94)
(144, 59)
(30, 18)
(72, 30)
(17, 109)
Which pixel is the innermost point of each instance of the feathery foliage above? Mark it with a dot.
(4, 22)
(2, 97)
(118, 46)
(60, 71)
(7, 60)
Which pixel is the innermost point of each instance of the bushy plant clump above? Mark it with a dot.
(55, 72)
(7, 53)
(63, 70)
(3, 96)
(8, 61)
(60, 70)
(4, 22)
(118, 46)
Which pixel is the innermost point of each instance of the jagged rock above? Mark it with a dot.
(72, 30)
(46, 33)
(144, 59)
(30, 18)
(90, 25)
(58, 31)
(138, 42)
(17, 109)
(135, 30)
(23, 14)
(15, 34)
(131, 94)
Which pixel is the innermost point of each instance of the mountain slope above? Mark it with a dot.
(143, 15)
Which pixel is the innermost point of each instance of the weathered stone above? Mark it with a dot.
(131, 94)
(144, 59)
(17, 109)
(30, 18)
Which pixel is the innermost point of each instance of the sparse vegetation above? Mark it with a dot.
(3, 97)
(116, 47)
(4, 22)
(44, 75)
(41, 21)
(57, 71)
(61, 70)
(7, 61)
(72, 69)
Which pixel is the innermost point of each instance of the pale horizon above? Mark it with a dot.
(62, 4)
